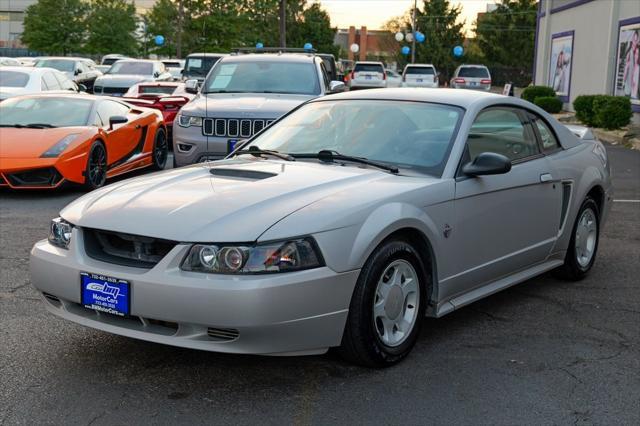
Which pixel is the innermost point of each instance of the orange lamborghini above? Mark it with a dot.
(48, 140)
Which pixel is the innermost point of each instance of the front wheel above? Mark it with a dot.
(160, 150)
(387, 306)
(581, 253)
(95, 173)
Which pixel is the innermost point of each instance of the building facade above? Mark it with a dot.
(586, 47)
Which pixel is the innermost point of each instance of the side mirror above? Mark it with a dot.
(116, 119)
(487, 163)
(336, 86)
(156, 74)
(191, 86)
(82, 87)
(78, 71)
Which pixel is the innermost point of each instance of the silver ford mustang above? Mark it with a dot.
(340, 226)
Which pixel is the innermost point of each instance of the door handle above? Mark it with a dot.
(546, 177)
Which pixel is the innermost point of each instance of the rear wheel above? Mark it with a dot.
(95, 173)
(160, 150)
(581, 253)
(387, 306)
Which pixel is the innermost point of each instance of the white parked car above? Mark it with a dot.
(9, 62)
(368, 75)
(175, 67)
(476, 77)
(420, 75)
(16, 81)
(393, 78)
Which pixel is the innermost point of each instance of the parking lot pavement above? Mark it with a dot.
(543, 352)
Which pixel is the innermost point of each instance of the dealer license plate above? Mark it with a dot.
(105, 294)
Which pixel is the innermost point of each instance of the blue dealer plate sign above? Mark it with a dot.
(105, 294)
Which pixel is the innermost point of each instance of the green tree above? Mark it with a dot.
(55, 26)
(161, 20)
(112, 24)
(439, 21)
(216, 25)
(315, 28)
(506, 36)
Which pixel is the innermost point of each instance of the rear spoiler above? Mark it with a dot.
(581, 132)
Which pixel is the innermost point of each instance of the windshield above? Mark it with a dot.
(473, 72)
(13, 79)
(63, 65)
(110, 61)
(58, 112)
(126, 67)
(419, 70)
(199, 66)
(263, 77)
(409, 135)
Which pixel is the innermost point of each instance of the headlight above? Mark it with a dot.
(189, 120)
(281, 256)
(60, 146)
(60, 232)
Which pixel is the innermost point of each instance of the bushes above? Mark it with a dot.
(532, 92)
(609, 112)
(551, 104)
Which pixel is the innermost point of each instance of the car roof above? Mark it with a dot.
(29, 70)
(207, 54)
(368, 63)
(151, 61)
(472, 66)
(457, 97)
(65, 95)
(57, 58)
(419, 65)
(270, 57)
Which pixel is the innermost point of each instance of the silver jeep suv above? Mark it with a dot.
(242, 95)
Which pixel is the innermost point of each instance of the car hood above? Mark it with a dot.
(229, 201)
(32, 143)
(248, 105)
(121, 80)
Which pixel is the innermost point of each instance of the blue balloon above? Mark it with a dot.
(458, 51)
(405, 50)
(159, 40)
(259, 45)
(308, 46)
(420, 37)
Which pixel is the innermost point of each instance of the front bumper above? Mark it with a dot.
(285, 314)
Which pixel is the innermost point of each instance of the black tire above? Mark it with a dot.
(160, 151)
(361, 343)
(572, 269)
(95, 174)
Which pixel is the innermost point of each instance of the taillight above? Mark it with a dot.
(435, 78)
(353, 75)
(459, 80)
(485, 81)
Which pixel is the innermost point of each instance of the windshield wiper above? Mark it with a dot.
(257, 152)
(29, 126)
(331, 156)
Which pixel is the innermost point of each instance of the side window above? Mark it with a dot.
(325, 76)
(548, 138)
(50, 81)
(501, 130)
(43, 84)
(107, 109)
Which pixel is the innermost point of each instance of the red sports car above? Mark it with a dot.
(165, 96)
(47, 140)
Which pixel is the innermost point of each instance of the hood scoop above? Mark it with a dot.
(241, 174)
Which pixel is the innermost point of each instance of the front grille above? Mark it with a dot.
(233, 127)
(125, 249)
(36, 178)
(225, 334)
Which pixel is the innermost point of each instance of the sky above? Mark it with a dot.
(374, 13)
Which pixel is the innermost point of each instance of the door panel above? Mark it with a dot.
(122, 140)
(507, 222)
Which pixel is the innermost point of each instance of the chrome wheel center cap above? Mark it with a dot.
(393, 304)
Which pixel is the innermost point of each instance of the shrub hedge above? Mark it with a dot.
(608, 112)
(532, 92)
(551, 104)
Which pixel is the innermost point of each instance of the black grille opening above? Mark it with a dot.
(161, 323)
(221, 127)
(566, 196)
(232, 128)
(257, 126)
(225, 334)
(245, 128)
(38, 177)
(207, 127)
(126, 249)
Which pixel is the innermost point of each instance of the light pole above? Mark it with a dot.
(413, 29)
(283, 23)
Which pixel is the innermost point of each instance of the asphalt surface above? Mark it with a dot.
(543, 352)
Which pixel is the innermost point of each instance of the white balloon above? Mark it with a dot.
(409, 37)
(355, 48)
(399, 36)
